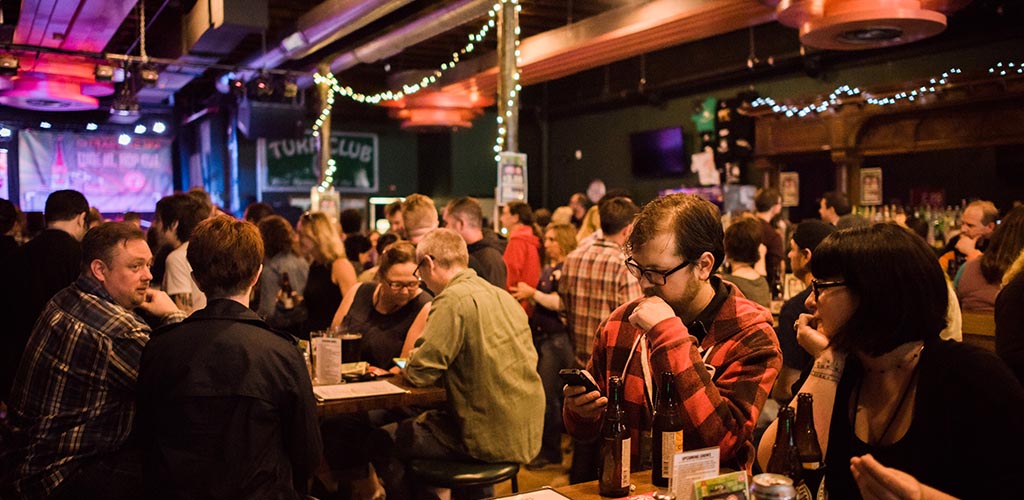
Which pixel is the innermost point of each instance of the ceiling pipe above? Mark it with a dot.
(324, 24)
(397, 40)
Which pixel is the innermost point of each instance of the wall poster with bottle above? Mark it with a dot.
(871, 186)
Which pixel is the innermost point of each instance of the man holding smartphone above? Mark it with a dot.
(720, 346)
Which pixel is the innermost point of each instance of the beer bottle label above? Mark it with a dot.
(624, 478)
(671, 443)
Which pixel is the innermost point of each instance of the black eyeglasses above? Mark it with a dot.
(654, 277)
(397, 286)
(818, 286)
(416, 272)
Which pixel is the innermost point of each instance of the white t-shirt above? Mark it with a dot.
(178, 277)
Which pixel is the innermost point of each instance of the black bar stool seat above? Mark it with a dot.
(456, 474)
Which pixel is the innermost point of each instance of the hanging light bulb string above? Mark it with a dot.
(512, 96)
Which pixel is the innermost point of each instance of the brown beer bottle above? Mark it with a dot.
(287, 301)
(668, 430)
(613, 460)
(807, 445)
(785, 458)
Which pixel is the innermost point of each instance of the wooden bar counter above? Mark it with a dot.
(414, 396)
(588, 490)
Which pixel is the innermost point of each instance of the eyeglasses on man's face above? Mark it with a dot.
(416, 272)
(818, 286)
(652, 276)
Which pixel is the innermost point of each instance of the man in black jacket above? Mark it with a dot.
(226, 407)
(465, 216)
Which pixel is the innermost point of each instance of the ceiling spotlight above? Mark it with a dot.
(261, 86)
(91, 126)
(8, 65)
(45, 125)
(148, 75)
(5, 132)
(159, 127)
(124, 139)
(140, 129)
(289, 89)
(236, 87)
(125, 107)
(104, 72)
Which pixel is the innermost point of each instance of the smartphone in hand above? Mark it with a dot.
(577, 376)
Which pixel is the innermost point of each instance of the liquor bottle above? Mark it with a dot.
(613, 460)
(287, 301)
(785, 459)
(668, 430)
(808, 448)
(59, 170)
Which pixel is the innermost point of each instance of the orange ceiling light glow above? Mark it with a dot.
(438, 110)
(864, 24)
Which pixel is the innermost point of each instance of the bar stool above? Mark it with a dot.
(455, 474)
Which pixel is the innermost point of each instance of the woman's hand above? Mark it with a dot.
(877, 481)
(522, 291)
(809, 335)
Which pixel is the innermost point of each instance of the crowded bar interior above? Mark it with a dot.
(512, 242)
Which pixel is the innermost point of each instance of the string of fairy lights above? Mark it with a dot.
(335, 87)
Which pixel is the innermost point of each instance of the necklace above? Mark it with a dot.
(899, 404)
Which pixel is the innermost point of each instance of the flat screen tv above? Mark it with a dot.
(659, 153)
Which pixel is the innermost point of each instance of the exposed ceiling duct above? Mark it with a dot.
(864, 24)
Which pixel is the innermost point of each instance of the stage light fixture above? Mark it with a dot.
(5, 132)
(261, 87)
(140, 129)
(148, 75)
(125, 107)
(104, 72)
(159, 127)
(124, 139)
(236, 87)
(289, 89)
(91, 126)
(8, 65)
(45, 125)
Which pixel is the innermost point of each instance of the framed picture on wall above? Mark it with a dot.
(789, 188)
(870, 186)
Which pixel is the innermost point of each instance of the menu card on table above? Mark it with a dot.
(356, 390)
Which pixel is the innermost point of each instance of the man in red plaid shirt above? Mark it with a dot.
(720, 346)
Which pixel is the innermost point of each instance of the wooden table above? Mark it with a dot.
(588, 491)
(416, 396)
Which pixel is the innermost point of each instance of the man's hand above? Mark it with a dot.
(649, 312)
(158, 303)
(588, 405)
(522, 291)
(967, 245)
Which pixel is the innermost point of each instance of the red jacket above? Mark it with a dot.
(721, 409)
(522, 259)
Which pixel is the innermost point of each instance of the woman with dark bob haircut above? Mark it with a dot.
(899, 412)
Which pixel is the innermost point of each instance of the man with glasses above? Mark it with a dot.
(719, 346)
(477, 340)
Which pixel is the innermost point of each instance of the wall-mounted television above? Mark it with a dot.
(659, 153)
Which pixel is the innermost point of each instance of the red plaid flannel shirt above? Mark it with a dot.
(719, 411)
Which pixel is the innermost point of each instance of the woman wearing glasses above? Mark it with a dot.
(900, 413)
(391, 312)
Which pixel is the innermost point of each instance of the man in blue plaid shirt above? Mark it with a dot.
(73, 399)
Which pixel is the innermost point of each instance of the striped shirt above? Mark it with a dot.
(594, 282)
(74, 395)
(721, 404)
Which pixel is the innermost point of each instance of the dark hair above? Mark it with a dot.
(356, 244)
(468, 210)
(615, 214)
(766, 198)
(278, 236)
(131, 216)
(101, 241)
(1004, 246)
(8, 215)
(351, 221)
(398, 252)
(542, 216)
(392, 208)
(742, 239)
(257, 211)
(809, 233)
(695, 222)
(385, 240)
(838, 201)
(186, 209)
(900, 286)
(65, 204)
(225, 255)
(522, 210)
(918, 226)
